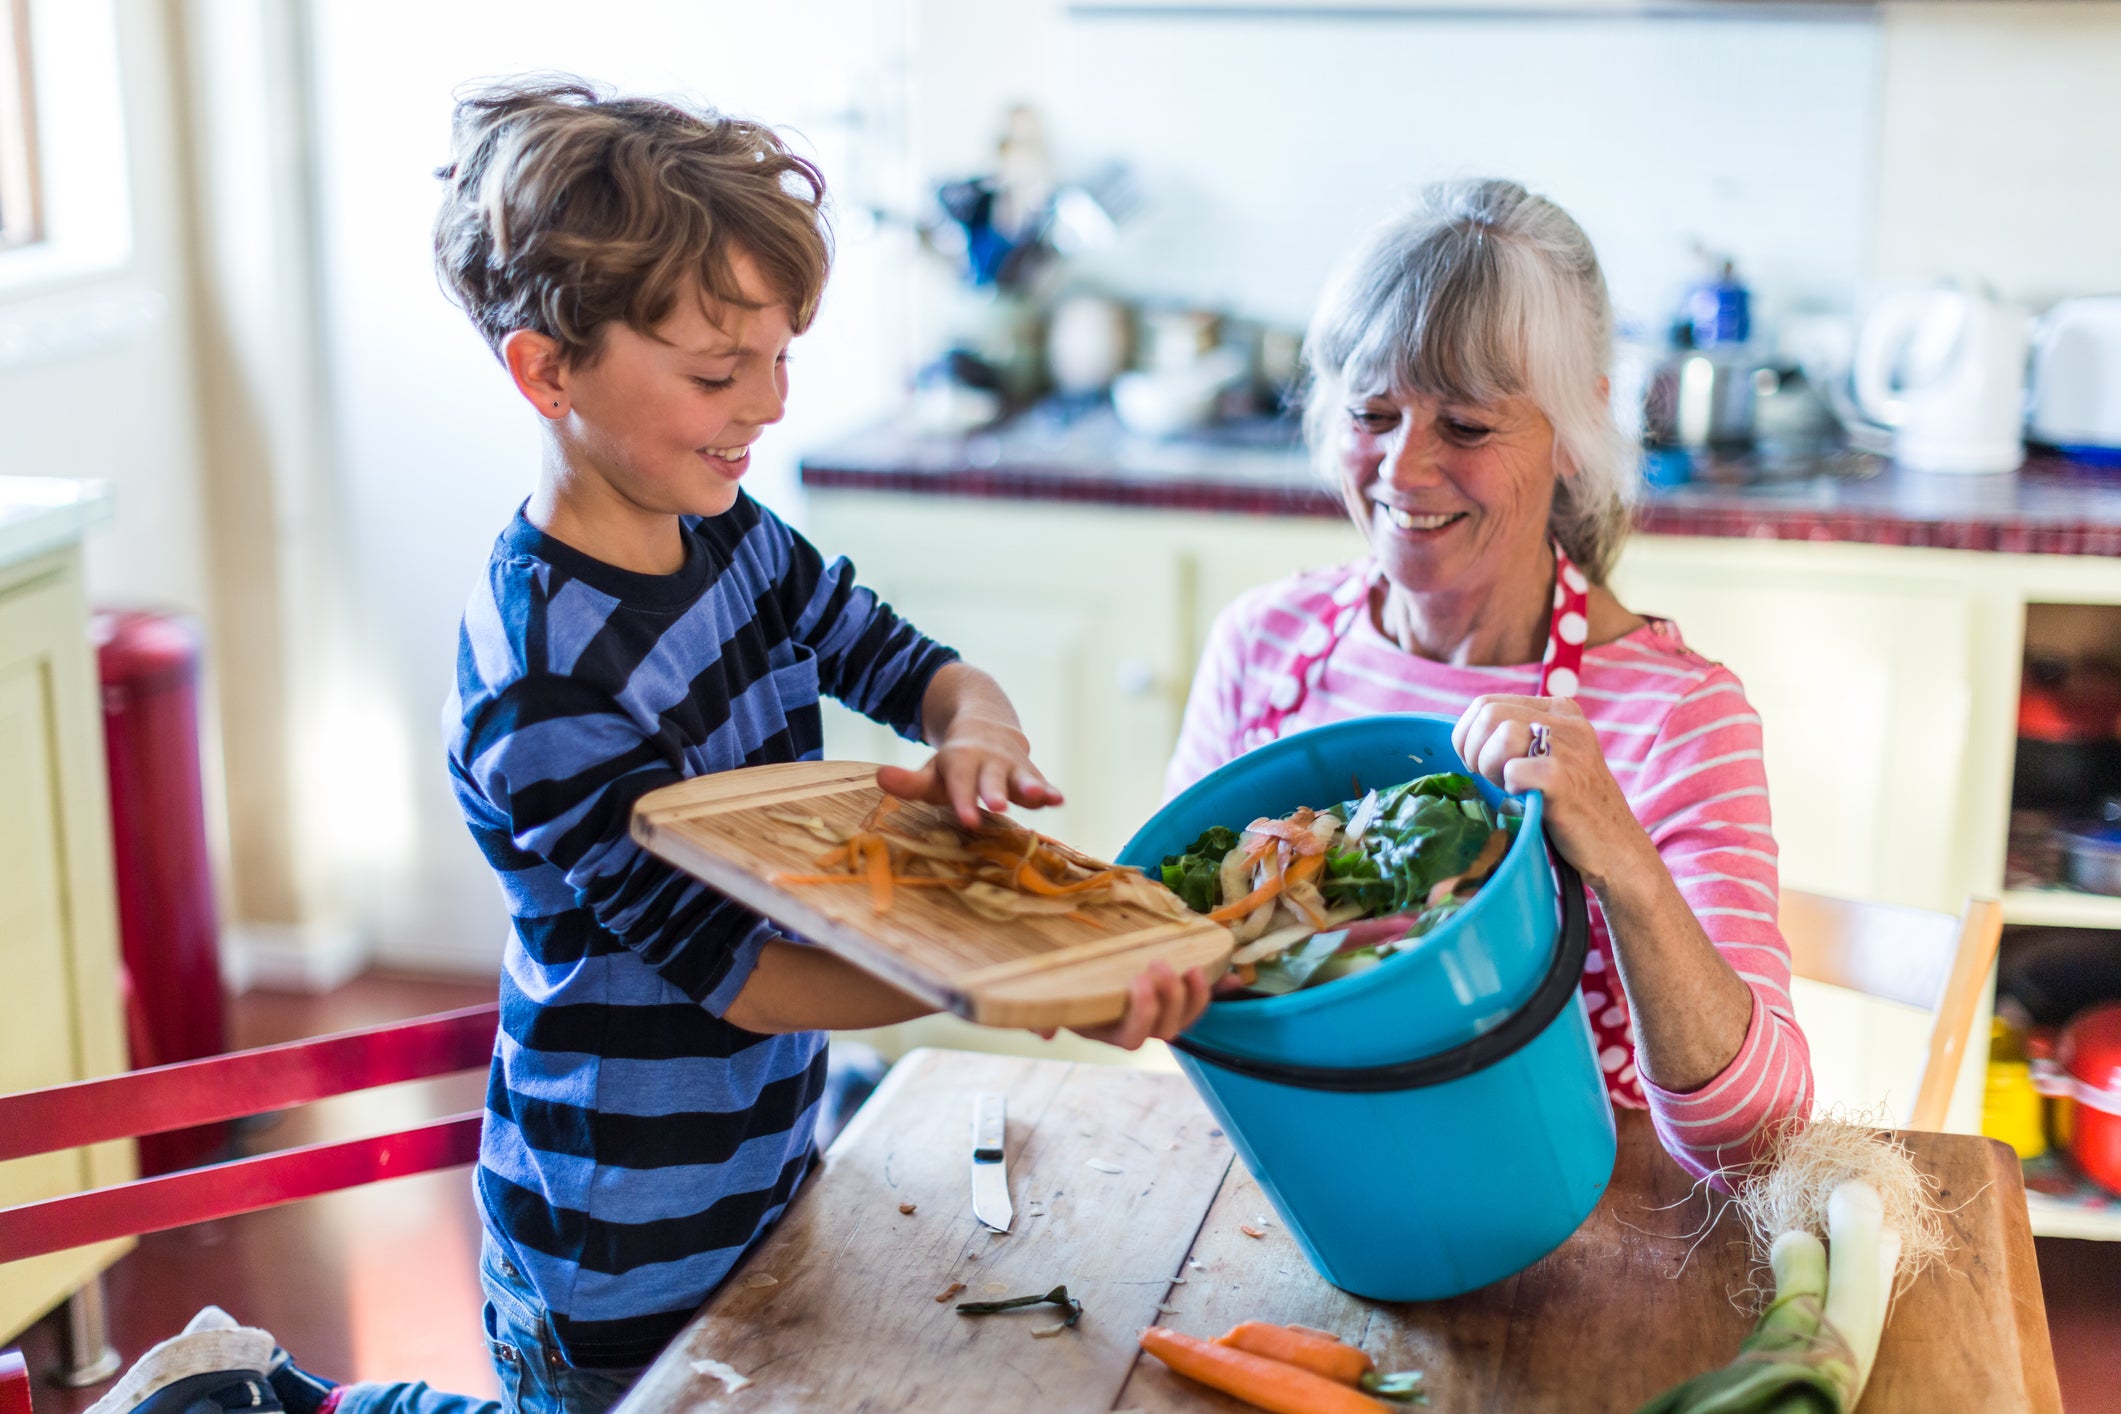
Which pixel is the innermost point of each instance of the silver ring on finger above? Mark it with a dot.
(1540, 746)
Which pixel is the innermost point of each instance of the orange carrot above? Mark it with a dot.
(1269, 1384)
(898, 881)
(1031, 881)
(879, 873)
(831, 857)
(1320, 1354)
(1230, 912)
(1306, 867)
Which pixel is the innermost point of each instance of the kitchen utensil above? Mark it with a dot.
(2075, 399)
(1700, 398)
(2067, 757)
(1945, 370)
(2089, 1056)
(1030, 972)
(2094, 853)
(990, 1162)
(1456, 1079)
(1086, 343)
(1165, 401)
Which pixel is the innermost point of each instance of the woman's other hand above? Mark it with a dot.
(1590, 820)
(1160, 1004)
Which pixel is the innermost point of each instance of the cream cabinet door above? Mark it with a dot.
(1864, 678)
(1080, 619)
(59, 1016)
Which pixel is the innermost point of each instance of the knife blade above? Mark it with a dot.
(990, 1171)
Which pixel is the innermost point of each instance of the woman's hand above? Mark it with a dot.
(1160, 1003)
(982, 756)
(1590, 820)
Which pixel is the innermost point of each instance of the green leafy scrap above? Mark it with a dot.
(1195, 875)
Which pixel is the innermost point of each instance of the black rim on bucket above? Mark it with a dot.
(1554, 992)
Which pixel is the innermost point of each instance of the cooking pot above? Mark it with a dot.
(2089, 1056)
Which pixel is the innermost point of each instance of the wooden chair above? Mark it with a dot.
(222, 1088)
(1908, 955)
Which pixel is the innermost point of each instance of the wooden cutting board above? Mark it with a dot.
(1028, 972)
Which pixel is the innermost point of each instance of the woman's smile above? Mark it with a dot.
(1419, 524)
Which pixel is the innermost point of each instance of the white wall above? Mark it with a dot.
(434, 450)
(1267, 144)
(1999, 147)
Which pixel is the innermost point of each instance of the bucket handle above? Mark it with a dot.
(1555, 991)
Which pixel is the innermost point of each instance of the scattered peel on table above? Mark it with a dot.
(716, 1370)
(759, 1281)
(1250, 1231)
(909, 1208)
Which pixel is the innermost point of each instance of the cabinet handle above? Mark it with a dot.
(1135, 677)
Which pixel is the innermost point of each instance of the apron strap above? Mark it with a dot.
(1333, 617)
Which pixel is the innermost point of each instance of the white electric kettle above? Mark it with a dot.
(1944, 369)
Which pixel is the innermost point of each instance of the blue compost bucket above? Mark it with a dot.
(1439, 1121)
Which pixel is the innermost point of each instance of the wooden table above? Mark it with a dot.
(1639, 1299)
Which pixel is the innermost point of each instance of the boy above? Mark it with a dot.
(640, 270)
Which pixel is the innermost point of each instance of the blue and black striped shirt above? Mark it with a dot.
(635, 1142)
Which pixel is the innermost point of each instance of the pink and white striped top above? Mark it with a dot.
(1685, 747)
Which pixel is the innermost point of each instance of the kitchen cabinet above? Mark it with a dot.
(60, 1019)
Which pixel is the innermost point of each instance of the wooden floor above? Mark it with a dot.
(381, 1282)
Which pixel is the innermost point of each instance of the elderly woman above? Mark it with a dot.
(1458, 401)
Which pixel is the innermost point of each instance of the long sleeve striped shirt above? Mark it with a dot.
(1685, 747)
(636, 1142)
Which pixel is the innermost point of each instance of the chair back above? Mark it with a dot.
(1933, 961)
(228, 1087)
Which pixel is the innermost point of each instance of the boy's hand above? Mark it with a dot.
(1159, 1004)
(978, 762)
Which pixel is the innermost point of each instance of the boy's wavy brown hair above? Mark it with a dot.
(568, 208)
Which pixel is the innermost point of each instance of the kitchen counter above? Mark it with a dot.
(2050, 506)
(40, 513)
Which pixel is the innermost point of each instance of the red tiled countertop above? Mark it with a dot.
(2049, 506)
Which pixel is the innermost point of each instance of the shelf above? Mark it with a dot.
(2059, 1217)
(2079, 1210)
(2061, 908)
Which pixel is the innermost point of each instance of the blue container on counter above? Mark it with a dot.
(1439, 1121)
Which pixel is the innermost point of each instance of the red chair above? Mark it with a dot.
(230, 1087)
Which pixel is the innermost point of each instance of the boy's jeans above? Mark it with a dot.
(534, 1379)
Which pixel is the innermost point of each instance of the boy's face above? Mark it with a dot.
(667, 421)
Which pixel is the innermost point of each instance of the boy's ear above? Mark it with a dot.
(540, 374)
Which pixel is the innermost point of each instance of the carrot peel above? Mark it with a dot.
(1268, 1384)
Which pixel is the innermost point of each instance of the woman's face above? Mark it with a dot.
(1451, 495)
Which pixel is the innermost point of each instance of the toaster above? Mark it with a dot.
(2074, 399)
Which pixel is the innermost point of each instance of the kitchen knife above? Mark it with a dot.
(990, 1173)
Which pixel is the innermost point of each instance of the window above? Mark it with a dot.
(19, 223)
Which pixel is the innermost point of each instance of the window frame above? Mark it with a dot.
(21, 205)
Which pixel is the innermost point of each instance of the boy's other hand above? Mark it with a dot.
(1160, 1003)
(979, 762)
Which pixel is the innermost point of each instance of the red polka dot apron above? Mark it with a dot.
(1333, 616)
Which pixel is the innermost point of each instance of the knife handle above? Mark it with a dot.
(988, 1124)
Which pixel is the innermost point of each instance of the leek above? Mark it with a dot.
(1814, 1347)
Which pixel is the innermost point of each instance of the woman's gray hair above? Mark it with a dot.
(1481, 290)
